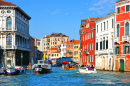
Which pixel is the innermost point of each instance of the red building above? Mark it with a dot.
(88, 42)
(122, 36)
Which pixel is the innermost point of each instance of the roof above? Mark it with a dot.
(56, 35)
(57, 52)
(94, 19)
(44, 51)
(67, 43)
(120, 1)
(53, 48)
(77, 42)
(5, 3)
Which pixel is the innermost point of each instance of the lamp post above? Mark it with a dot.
(21, 58)
(4, 56)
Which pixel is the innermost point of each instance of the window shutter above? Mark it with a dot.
(119, 50)
(124, 49)
(129, 49)
(115, 50)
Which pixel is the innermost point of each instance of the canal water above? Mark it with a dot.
(60, 77)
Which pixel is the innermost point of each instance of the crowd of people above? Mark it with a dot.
(89, 67)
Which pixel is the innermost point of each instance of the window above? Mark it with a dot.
(90, 46)
(97, 28)
(9, 39)
(92, 34)
(118, 30)
(127, 8)
(9, 53)
(118, 50)
(127, 29)
(83, 38)
(112, 23)
(107, 44)
(101, 45)
(104, 25)
(9, 11)
(126, 49)
(97, 46)
(107, 24)
(101, 26)
(118, 10)
(90, 58)
(9, 23)
(38, 43)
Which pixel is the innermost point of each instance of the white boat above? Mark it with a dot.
(41, 67)
(12, 71)
(85, 70)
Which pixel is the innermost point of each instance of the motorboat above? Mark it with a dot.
(42, 67)
(85, 70)
(67, 68)
(12, 71)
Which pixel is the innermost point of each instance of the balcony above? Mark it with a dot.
(86, 51)
(125, 38)
(117, 40)
(8, 29)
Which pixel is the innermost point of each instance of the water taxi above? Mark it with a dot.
(85, 70)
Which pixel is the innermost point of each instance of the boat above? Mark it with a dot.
(42, 67)
(85, 70)
(12, 71)
(67, 68)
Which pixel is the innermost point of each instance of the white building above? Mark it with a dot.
(63, 50)
(104, 52)
(14, 34)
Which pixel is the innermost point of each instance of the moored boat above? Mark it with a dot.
(85, 70)
(42, 67)
(67, 68)
(12, 71)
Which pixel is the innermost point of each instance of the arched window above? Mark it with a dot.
(118, 30)
(9, 23)
(126, 29)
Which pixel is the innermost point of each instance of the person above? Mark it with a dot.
(89, 68)
(92, 67)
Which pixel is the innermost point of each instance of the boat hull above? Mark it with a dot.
(42, 70)
(87, 71)
(67, 68)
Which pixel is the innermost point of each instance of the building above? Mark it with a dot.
(104, 53)
(88, 42)
(14, 35)
(122, 36)
(50, 51)
(83, 22)
(67, 49)
(76, 51)
(53, 40)
(54, 56)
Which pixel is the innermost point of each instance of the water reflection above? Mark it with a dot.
(67, 78)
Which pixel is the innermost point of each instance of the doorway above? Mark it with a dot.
(121, 65)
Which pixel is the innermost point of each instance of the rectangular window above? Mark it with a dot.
(127, 8)
(83, 38)
(118, 10)
(104, 25)
(92, 34)
(107, 24)
(127, 49)
(97, 46)
(106, 44)
(101, 26)
(90, 46)
(90, 58)
(101, 45)
(97, 28)
(112, 23)
(118, 50)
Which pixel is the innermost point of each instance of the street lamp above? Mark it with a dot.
(4, 56)
(21, 58)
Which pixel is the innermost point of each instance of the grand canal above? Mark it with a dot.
(60, 77)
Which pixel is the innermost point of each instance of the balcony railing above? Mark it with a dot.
(125, 38)
(8, 29)
(117, 40)
(86, 51)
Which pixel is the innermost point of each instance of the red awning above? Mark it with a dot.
(64, 61)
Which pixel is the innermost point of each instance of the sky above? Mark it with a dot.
(62, 16)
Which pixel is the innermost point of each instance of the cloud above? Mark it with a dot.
(56, 12)
(103, 6)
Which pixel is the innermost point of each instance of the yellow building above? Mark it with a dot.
(44, 55)
(76, 48)
(54, 56)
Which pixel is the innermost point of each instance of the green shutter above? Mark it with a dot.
(124, 49)
(129, 49)
(115, 50)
